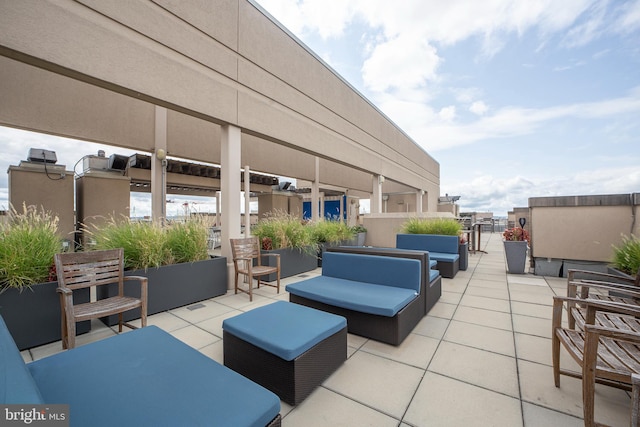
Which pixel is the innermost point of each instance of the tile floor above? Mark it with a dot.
(481, 357)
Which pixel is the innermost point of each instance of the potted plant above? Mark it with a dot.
(361, 234)
(173, 257)
(626, 257)
(328, 233)
(290, 237)
(516, 243)
(29, 303)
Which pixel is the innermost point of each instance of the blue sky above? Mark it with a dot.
(514, 98)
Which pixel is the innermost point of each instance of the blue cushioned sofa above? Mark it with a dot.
(141, 378)
(431, 281)
(443, 249)
(378, 295)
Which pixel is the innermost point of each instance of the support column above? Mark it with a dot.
(159, 167)
(376, 198)
(230, 161)
(315, 192)
(419, 194)
(247, 202)
(217, 209)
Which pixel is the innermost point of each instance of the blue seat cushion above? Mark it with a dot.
(380, 270)
(433, 275)
(428, 242)
(16, 383)
(432, 263)
(444, 257)
(357, 296)
(283, 328)
(146, 377)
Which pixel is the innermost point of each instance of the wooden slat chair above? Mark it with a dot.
(603, 286)
(590, 290)
(244, 251)
(607, 355)
(78, 270)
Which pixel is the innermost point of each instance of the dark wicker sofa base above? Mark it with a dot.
(390, 330)
(448, 269)
(291, 380)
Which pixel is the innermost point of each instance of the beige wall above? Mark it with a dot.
(382, 228)
(94, 69)
(581, 228)
(30, 185)
(102, 196)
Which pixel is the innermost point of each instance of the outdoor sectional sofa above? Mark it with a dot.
(380, 296)
(141, 378)
(443, 249)
(431, 281)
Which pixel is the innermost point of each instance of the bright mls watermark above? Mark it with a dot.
(34, 415)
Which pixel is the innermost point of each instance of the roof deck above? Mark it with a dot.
(482, 356)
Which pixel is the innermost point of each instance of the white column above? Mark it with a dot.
(247, 202)
(315, 192)
(376, 198)
(217, 208)
(419, 194)
(230, 161)
(158, 167)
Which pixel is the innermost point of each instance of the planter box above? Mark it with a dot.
(292, 262)
(33, 316)
(463, 251)
(323, 247)
(173, 286)
(516, 253)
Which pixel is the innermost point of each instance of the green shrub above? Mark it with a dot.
(143, 242)
(331, 231)
(626, 256)
(28, 243)
(281, 230)
(187, 241)
(445, 226)
(149, 244)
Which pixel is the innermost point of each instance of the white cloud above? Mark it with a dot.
(479, 108)
(448, 114)
(402, 62)
(434, 134)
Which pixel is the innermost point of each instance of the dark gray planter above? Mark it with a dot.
(33, 316)
(463, 251)
(173, 286)
(323, 247)
(292, 262)
(516, 253)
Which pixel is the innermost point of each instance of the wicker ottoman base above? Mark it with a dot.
(291, 380)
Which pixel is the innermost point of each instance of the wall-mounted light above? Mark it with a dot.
(161, 154)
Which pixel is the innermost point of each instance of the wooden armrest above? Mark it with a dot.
(139, 278)
(631, 291)
(616, 334)
(572, 272)
(65, 291)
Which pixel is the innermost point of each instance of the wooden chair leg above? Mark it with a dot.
(635, 400)
(555, 357)
(589, 378)
(120, 322)
(236, 283)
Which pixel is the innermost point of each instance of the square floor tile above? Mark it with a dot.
(376, 382)
(482, 337)
(482, 368)
(479, 316)
(416, 350)
(443, 402)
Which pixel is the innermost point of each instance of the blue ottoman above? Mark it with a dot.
(287, 348)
